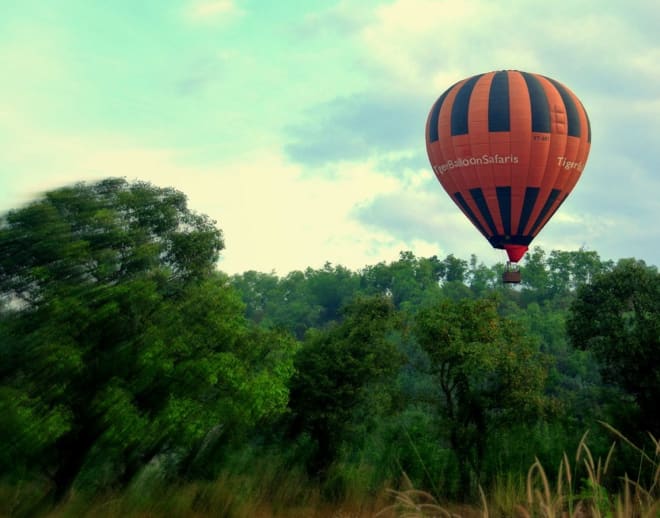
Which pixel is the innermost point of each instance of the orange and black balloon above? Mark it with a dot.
(508, 147)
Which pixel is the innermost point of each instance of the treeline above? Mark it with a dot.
(125, 356)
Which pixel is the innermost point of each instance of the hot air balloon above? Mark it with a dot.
(508, 147)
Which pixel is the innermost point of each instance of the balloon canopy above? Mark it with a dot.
(508, 147)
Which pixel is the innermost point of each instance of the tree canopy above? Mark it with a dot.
(488, 373)
(617, 317)
(119, 343)
(334, 370)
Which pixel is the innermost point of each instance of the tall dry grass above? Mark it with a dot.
(580, 491)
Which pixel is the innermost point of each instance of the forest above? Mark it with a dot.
(137, 379)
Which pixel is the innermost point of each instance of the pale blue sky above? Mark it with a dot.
(299, 125)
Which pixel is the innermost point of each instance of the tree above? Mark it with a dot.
(333, 370)
(481, 278)
(331, 288)
(120, 343)
(534, 273)
(557, 276)
(487, 374)
(617, 317)
(258, 291)
(407, 281)
(454, 269)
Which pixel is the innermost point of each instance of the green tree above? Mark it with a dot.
(299, 301)
(488, 374)
(259, 291)
(569, 270)
(408, 281)
(481, 278)
(295, 310)
(454, 269)
(557, 275)
(574, 383)
(120, 344)
(335, 368)
(534, 274)
(617, 317)
(331, 288)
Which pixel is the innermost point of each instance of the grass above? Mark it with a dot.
(584, 487)
(580, 491)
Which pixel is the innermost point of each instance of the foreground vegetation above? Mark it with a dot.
(136, 379)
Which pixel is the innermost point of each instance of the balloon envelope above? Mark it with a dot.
(508, 147)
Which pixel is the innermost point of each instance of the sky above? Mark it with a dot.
(299, 125)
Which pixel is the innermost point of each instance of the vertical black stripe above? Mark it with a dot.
(539, 102)
(588, 123)
(531, 193)
(459, 110)
(571, 110)
(544, 211)
(498, 103)
(504, 202)
(466, 208)
(435, 116)
(478, 197)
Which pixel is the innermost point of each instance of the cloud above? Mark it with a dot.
(397, 164)
(357, 128)
(343, 19)
(197, 76)
(427, 45)
(418, 42)
(212, 10)
(419, 213)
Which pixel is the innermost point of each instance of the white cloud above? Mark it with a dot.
(277, 219)
(427, 44)
(212, 10)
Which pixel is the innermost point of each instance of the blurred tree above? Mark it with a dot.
(574, 383)
(617, 317)
(119, 341)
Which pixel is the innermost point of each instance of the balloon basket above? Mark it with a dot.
(511, 273)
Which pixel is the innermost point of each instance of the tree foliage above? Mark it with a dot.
(617, 317)
(334, 370)
(119, 343)
(487, 372)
